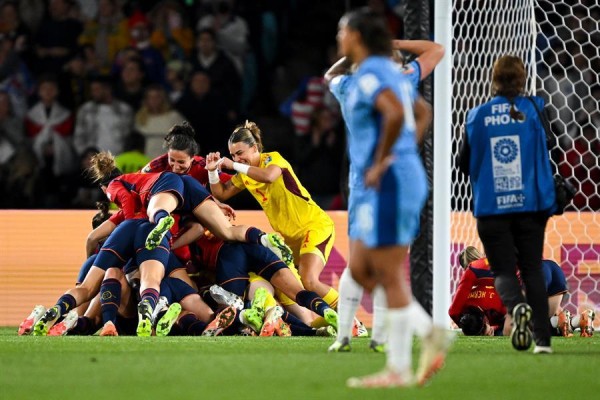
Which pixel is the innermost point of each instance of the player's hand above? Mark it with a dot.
(226, 163)
(212, 161)
(375, 172)
(227, 210)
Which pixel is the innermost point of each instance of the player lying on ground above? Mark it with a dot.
(478, 310)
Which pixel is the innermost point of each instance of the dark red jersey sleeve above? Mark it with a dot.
(117, 217)
(159, 164)
(462, 294)
(123, 198)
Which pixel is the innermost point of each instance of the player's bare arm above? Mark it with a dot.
(97, 235)
(193, 231)
(221, 191)
(265, 175)
(423, 118)
(429, 54)
(341, 67)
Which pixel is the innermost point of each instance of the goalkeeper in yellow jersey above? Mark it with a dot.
(304, 226)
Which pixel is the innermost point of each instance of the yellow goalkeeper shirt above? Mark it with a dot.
(287, 204)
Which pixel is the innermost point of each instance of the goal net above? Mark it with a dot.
(558, 40)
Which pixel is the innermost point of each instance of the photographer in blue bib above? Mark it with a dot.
(505, 153)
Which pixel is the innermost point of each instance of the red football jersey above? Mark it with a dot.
(119, 216)
(131, 192)
(207, 251)
(183, 252)
(476, 289)
(197, 168)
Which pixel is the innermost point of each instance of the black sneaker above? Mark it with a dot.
(521, 336)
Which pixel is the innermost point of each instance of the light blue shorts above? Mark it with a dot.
(390, 215)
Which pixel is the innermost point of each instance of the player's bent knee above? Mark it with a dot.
(310, 282)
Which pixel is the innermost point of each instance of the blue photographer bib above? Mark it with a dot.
(509, 166)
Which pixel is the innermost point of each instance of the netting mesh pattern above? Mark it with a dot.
(559, 41)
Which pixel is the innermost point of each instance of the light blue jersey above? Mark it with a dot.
(412, 72)
(374, 75)
(389, 215)
(339, 88)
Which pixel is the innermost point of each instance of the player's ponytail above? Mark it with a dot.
(468, 255)
(248, 133)
(103, 168)
(102, 214)
(181, 138)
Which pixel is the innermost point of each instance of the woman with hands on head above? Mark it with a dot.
(388, 189)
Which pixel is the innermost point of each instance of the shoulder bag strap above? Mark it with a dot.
(550, 138)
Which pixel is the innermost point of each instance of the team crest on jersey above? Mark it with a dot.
(268, 159)
(368, 83)
(407, 69)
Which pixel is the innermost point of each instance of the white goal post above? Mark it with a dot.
(558, 40)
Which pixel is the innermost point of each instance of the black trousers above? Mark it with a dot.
(514, 241)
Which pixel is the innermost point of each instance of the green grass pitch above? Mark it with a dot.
(170, 368)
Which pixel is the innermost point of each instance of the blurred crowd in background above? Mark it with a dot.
(82, 76)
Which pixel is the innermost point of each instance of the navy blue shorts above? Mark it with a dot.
(85, 268)
(129, 266)
(128, 241)
(169, 182)
(194, 194)
(556, 283)
(172, 264)
(175, 289)
(237, 259)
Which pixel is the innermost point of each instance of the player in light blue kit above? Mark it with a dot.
(388, 189)
(429, 54)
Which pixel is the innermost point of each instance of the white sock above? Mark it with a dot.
(264, 241)
(399, 345)
(350, 296)
(421, 321)
(379, 332)
(575, 321)
(554, 321)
